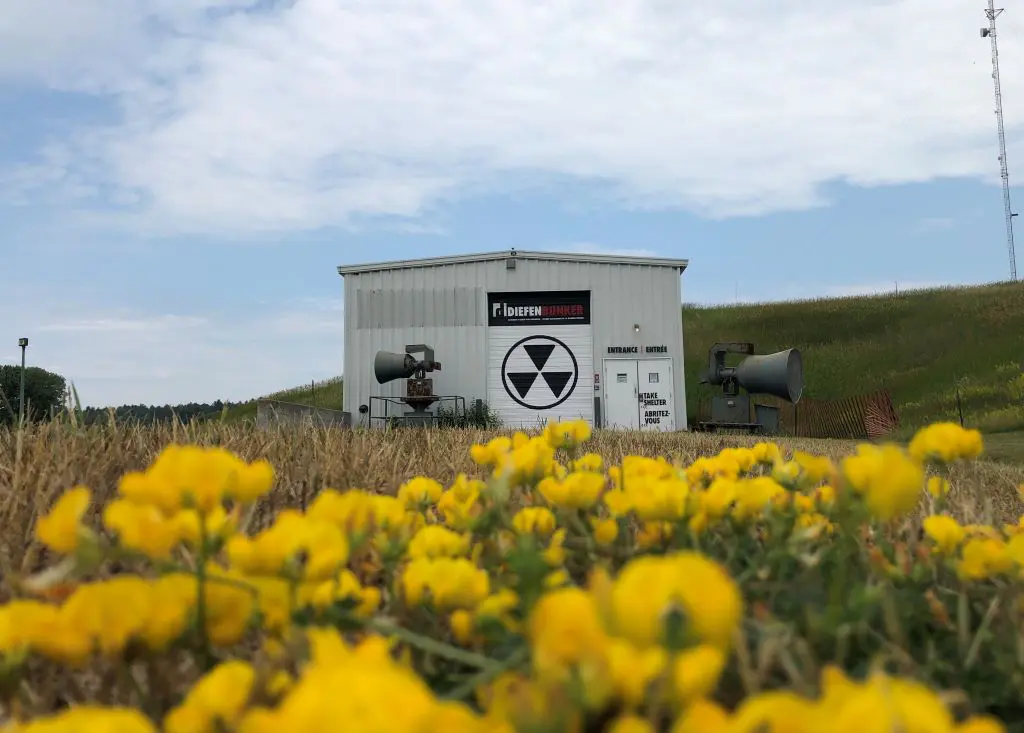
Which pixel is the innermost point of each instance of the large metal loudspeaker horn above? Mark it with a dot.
(780, 374)
(389, 366)
(419, 389)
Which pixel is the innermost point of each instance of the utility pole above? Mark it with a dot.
(990, 32)
(23, 343)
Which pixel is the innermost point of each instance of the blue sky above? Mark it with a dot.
(177, 185)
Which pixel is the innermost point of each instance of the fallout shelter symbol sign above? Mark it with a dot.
(539, 372)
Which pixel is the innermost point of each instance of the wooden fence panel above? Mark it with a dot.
(867, 416)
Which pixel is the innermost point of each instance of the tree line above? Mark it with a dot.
(47, 395)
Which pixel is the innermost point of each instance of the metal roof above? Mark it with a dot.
(678, 264)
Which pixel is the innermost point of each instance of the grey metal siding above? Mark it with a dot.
(445, 306)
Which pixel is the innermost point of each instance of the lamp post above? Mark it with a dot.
(23, 343)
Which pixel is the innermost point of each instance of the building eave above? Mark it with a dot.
(580, 257)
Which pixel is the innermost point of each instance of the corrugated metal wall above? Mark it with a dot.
(446, 307)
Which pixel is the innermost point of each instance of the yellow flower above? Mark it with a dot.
(534, 520)
(88, 718)
(945, 442)
(945, 532)
(215, 703)
(230, 606)
(294, 544)
(981, 724)
(352, 511)
(173, 598)
(345, 587)
(493, 452)
(253, 481)
(190, 476)
(886, 703)
(937, 486)
(579, 490)
(786, 473)
(702, 717)
(61, 530)
(825, 495)
(890, 482)
(804, 503)
(630, 724)
(1015, 549)
(110, 613)
(778, 711)
(591, 462)
(651, 534)
(755, 495)
(462, 625)
(279, 683)
(460, 504)
(656, 498)
(556, 579)
(605, 530)
(499, 606)
(444, 583)
(516, 702)
(378, 695)
(633, 670)
(716, 501)
(766, 453)
(567, 434)
(565, 631)
(813, 525)
(554, 555)
(437, 541)
(813, 469)
(984, 557)
(696, 672)
(143, 528)
(20, 620)
(45, 630)
(649, 587)
(420, 491)
(618, 502)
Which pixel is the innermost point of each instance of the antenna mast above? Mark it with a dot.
(992, 13)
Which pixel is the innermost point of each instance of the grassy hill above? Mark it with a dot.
(317, 394)
(924, 346)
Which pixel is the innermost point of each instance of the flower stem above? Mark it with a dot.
(433, 646)
(487, 675)
(206, 658)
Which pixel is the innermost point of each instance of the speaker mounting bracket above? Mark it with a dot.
(427, 364)
(718, 372)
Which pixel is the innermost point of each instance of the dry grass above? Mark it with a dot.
(44, 461)
(39, 464)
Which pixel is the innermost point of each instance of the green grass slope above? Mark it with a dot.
(923, 346)
(326, 393)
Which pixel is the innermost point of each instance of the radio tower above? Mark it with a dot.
(992, 13)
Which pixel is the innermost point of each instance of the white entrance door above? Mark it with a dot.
(621, 394)
(638, 394)
(657, 410)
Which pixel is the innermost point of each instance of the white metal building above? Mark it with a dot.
(536, 335)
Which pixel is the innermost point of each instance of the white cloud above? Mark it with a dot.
(315, 112)
(115, 356)
(114, 325)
